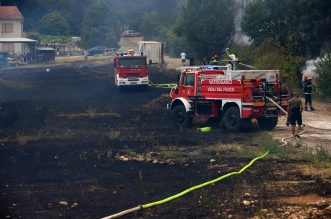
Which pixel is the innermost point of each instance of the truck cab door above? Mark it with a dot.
(188, 84)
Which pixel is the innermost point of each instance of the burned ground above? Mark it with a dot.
(73, 147)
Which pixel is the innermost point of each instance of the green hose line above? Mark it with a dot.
(162, 85)
(163, 201)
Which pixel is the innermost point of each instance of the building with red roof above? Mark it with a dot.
(11, 30)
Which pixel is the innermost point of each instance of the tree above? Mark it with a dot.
(323, 75)
(270, 55)
(302, 26)
(100, 27)
(207, 25)
(34, 36)
(53, 24)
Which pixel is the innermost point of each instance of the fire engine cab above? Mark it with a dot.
(217, 93)
(130, 69)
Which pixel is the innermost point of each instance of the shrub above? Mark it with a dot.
(269, 55)
(323, 75)
(53, 24)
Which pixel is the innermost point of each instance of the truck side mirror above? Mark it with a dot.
(114, 63)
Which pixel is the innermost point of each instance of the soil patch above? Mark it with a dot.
(73, 147)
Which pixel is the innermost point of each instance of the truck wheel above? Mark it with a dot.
(181, 117)
(267, 123)
(231, 119)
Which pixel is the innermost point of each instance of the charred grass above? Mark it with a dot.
(108, 151)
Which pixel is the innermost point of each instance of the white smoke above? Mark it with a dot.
(239, 37)
(310, 68)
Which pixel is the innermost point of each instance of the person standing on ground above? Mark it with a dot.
(183, 57)
(85, 54)
(307, 90)
(295, 114)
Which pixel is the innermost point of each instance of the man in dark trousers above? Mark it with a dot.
(307, 90)
(294, 113)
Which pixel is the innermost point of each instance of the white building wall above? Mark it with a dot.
(17, 33)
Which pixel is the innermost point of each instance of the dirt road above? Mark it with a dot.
(72, 147)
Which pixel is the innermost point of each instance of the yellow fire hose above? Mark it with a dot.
(171, 198)
(179, 195)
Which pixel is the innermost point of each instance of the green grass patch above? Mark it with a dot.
(321, 156)
(55, 39)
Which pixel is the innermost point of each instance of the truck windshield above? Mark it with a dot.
(132, 62)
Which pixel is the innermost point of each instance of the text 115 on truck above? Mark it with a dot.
(231, 96)
(130, 70)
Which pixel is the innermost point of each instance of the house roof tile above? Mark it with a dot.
(10, 13)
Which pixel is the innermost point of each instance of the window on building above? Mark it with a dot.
(7, 28)
(8, 47)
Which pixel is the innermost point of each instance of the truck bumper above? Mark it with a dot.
(132, 81)
(257, 112)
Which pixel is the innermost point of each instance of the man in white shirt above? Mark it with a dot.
(183, 57)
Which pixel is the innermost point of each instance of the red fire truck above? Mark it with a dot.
(130, 69)
(217, 93)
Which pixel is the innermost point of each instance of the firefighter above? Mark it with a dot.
(229, 66)
(295, 114)
(303, 82)
(214, 60)
(183, 58)
(85, 54)
(307, 90)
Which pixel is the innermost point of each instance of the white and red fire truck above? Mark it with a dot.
(130, 70)
(217, 93)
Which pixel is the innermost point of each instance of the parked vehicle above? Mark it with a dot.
(153, 50)
(217, 93)
(99, 50)
(131, 33)
(130, 69)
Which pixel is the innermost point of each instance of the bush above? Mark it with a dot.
(34, 36)
(55, 39)
(323, 75)
(100, 26)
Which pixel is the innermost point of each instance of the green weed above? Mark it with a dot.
(321, 156)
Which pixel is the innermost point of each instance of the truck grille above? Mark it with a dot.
(133, 79)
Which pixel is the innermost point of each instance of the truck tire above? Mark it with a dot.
(231, 119)
(267, 123)
(181, 118)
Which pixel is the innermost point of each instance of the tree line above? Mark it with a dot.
(283, 33)
(98, 21)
